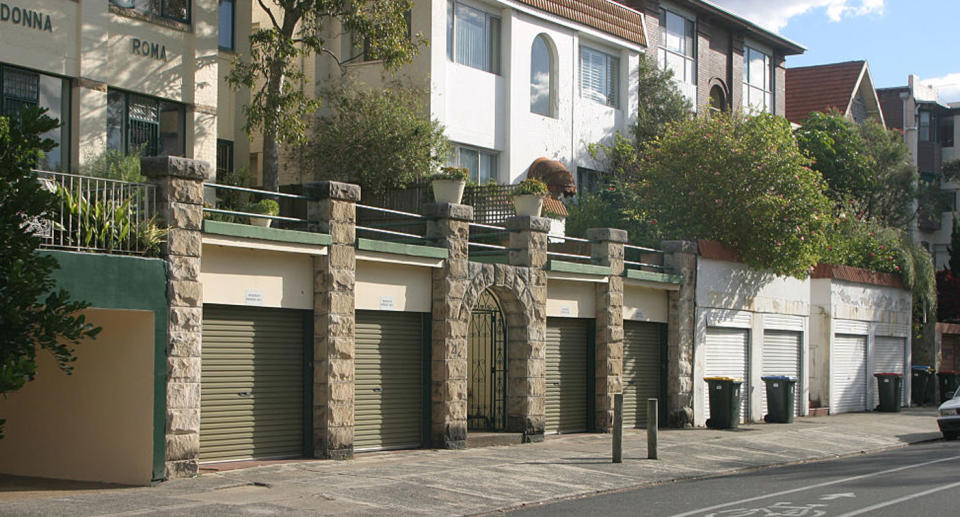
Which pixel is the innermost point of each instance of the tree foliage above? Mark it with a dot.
(660, 102)
(33, 314)
(742, 181)
(278, 106)
(377, 138)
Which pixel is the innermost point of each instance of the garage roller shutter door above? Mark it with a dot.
(781, 356)
(252, 372)
(727, 356)
(888, 357)
(566, 375)
(848, 374)
(389, 380)
(641, 370)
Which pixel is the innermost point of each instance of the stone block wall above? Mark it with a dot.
(179, 184)
(680, 257)
(606, 248)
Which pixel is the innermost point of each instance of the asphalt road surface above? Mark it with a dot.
(912, 481)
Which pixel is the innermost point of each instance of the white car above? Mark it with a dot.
(948, 417)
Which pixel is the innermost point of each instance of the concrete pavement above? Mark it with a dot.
(440, 482)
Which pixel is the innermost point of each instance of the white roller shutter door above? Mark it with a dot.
(848, 374)
(888, 357)
(727, 355)
(781, 356)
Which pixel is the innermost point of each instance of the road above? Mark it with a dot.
(917, 480)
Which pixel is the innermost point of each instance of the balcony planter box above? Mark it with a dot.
(528, 204)
(448, 190)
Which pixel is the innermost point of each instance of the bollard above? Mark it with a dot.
(618, 428)
(652, 426)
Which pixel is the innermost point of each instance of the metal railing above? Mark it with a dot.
(648, 257)
(235, 208)
(99, 215)
(376, 221)
(483, 239)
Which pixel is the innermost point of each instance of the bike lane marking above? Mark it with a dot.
(899, 500)
(815, 486)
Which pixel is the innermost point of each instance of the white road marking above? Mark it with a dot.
(900, 500)
(818, 485)
(831, 497)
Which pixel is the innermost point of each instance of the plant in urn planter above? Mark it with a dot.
(448, 184)
(528, 197)
(265, 207)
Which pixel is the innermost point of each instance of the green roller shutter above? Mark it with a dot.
(641, 370)
(252, 371)
(567, 375)
(389, 380)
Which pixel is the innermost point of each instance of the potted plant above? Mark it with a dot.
(265, 207)
(528, 197)
(448, 184)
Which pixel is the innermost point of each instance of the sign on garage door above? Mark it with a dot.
(781, 356)
(848, 377)
(728, 356)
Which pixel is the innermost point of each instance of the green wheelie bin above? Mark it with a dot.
(888, 385)
(724, 402)
(949, 381)
(781, 397)
(920, 379)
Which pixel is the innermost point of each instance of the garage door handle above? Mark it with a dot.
(631, 383)
(378, 390)
(556, 383)
(244, 394)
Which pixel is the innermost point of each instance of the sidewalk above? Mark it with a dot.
(482, 480)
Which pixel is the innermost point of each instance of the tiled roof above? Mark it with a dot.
(604, 15)
(820, 87)
(555, 206)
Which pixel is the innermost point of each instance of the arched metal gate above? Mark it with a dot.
(487, 359)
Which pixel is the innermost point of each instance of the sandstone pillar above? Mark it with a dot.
(606, 249)
(680, 257)
(449, 227)
(179, 184)
(526, 359)
(331, 209)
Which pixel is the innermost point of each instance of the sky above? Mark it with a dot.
(896, 37)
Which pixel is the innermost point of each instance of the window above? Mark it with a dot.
(354, 48)
(473, 37)
(177, 10)
(924, 126)
(757, 80)
(543, 78)
(224, 158)
(21, 89)
(481, 164)
(678, 51)
(946, 131)
(599, 75)
(136, 122)
(225, 15)
(718, 101)
(588, 180)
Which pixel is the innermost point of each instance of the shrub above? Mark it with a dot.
(452, 173)
(265, 207)
(530, 187)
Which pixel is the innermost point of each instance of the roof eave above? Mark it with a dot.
(786, 46)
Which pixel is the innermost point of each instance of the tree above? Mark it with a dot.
(739, 180)
(660, 102)
(278, 107)
(891, 200)
(33, 314)
(838, 153)
(954, 248)
(380, 138)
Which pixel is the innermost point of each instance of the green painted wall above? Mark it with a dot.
(131, 283)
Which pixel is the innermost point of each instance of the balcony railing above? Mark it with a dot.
(99, 215)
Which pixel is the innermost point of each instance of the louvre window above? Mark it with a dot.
(599, 75)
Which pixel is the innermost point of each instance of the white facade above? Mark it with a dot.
(842, 309)
(732, 296)
(491, 112)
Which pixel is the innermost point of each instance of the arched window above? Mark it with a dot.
(543, 77)
(718, 101)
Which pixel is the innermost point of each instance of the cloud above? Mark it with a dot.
(949, 86)
(775, 15)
